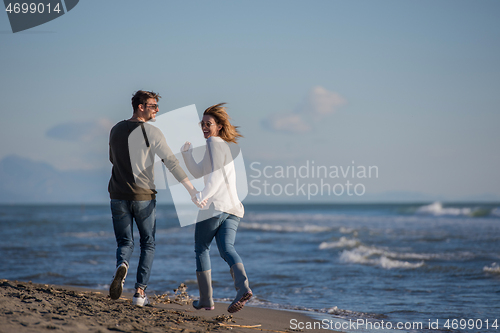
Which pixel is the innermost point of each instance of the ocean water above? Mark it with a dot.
(396, 263)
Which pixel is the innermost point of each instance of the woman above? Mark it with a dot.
(222, 210)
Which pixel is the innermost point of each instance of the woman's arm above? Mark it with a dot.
(196, 169)
(216, 156)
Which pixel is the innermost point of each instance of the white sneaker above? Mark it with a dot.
(140, 300)
(116, 287)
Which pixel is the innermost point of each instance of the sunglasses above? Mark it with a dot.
(154, 106)
(208, 124)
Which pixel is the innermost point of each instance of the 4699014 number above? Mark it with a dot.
(31, 7)
(470, 324)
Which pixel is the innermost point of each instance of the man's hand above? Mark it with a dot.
(197, 202)
(191, 190)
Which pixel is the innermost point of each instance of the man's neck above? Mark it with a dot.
(137, 118)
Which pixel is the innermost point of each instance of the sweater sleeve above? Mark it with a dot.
(168, 157)
(110, 155)
(196, 169)
(216, 176)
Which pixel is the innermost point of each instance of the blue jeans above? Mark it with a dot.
(223, 227)
(144, 212)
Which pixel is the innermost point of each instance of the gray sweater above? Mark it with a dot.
(132, 176)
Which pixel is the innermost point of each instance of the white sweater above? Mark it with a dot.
(219, 175)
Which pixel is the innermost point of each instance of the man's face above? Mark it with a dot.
(150, 110)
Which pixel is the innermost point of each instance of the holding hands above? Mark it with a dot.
(196, 200)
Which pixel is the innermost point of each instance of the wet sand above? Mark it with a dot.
(29, 307)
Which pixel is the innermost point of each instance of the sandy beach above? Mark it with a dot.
(29, 307)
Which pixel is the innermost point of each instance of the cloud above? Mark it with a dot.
(321, 102)
(318, 104)
(80, 131)
(291, 122)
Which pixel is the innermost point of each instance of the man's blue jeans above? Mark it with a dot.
(144, 212)
(223, 227)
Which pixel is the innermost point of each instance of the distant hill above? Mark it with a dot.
(23, 180)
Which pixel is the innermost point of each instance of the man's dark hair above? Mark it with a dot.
(141, 97)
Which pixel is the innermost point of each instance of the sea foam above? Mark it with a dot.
(494, 268)
(342, 242)
(437, 209)
(377, 257)
(495, 212)
(284, 227)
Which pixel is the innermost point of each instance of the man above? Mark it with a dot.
(132, 147)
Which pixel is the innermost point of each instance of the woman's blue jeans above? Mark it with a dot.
(144, 212)
(221, 227)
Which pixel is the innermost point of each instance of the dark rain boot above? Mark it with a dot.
(243, 292)
(205, 286)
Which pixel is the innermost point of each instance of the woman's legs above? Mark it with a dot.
(223, 227)
(243, 292)
(204, 233)
(225, 237)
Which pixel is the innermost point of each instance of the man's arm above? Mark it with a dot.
(172, 164)
(189, 187)
(165, 153)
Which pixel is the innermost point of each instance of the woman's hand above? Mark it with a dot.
(200, 204)
(186, 147)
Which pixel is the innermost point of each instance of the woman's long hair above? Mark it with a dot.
(228, 132)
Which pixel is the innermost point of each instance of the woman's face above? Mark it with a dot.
(209, 126)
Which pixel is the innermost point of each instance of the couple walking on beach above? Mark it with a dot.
(133, 197)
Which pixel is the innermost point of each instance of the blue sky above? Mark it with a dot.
(408, 86)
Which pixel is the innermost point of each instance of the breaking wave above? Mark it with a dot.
(494, 268)
(88, 234)
(342, 242)
(284, 227)
(377, 257)
(437, 209)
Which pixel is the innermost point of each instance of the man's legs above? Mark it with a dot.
(145, 218)
(123, 227)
